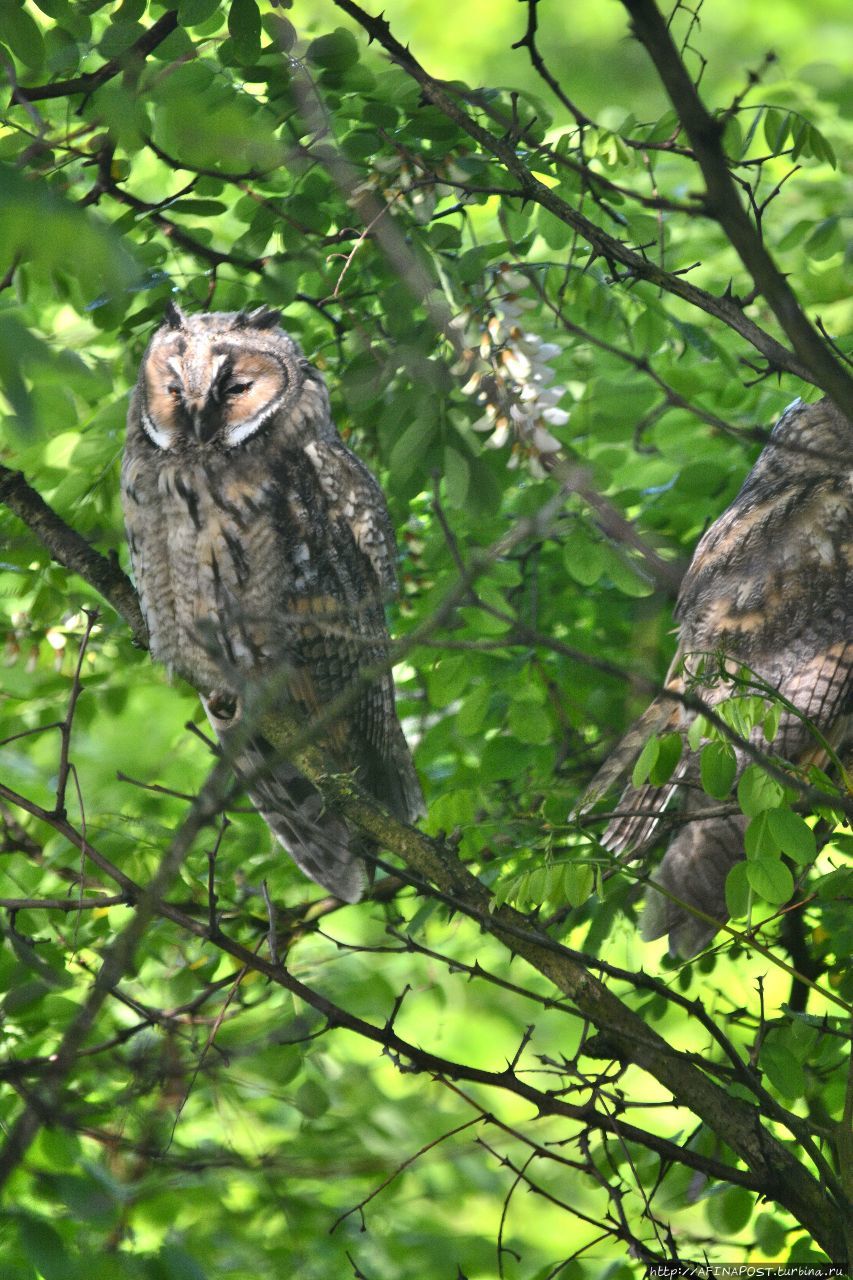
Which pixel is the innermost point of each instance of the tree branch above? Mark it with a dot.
(603, 245)
(69, 549)
(738, 1124)
(723, 203)
(92, 80)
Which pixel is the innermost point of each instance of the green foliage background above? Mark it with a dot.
(217, 1128)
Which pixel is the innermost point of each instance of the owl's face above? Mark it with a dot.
(216, 378)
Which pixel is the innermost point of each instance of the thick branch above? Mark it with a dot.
(68, 548)
(738, 1124)
(724, 204)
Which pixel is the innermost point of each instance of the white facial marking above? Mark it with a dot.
(162, 439)
(242, 431)
(218, 362)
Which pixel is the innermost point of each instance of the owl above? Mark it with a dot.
(769, 589)
(263, 555)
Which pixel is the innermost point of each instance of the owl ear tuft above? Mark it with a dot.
(174, 316)
(260, 318)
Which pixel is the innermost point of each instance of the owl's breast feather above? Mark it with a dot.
(208, 568)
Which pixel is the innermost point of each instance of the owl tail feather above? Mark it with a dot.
(319, 842)
(694, 871)
(390, 776)
(655, 719)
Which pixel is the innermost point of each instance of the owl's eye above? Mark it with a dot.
(174, 391)
(237, 388)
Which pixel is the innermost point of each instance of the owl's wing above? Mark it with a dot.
(343, 631)
(319, 842)
(355, 503)
(334, 532)
(770, 587)
(819, 689)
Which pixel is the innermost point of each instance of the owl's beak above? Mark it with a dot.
(202, 420)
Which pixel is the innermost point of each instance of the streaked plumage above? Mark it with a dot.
(263, 555)
(770, 587)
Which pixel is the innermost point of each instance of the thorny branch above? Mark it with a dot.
(602, 244)
(87, 84)
(723, 204)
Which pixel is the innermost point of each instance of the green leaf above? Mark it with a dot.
(771, 1234)
(825, 240)
(177, 1264)
(584, 559)
(793, 835)
(192, 13)
(782, 1068)
(500, 759)
(22, 34)
(627, 579)
(457, 475)
(530, 723)
(45, 1249)
(59, 9)
(311, 1100)
(729, 1211)
(770, 879)
(733, 142)
(770, 724)
(283, 33)
(244, 27)
(776, 127)
(670, 747)
(759, 840)
(578, 883)
(337, 51)
(56, 1149)
(738, 891)
(697, 731)
(118, 38)
(820, 147)
(472, 712)
(410, 448)
(552, 229)
(757, 791)
(448, 678)
(718, 766)
(645, 762)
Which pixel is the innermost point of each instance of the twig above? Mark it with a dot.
(66, 725)
(406, 1164)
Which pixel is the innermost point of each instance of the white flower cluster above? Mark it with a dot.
(401, 186)
(515, 383)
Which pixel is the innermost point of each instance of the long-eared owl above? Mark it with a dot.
(769, 591)
(263, 555)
